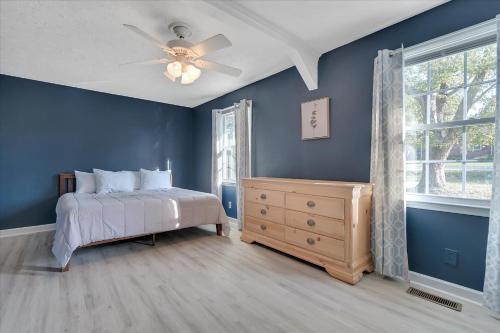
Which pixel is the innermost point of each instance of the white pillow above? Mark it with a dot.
(137, 178)
(155, 180)
(109, 181)
(85, 182)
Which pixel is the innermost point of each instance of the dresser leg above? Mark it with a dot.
(246, 239)
(351, 278)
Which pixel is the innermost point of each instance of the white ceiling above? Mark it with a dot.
(83, 43)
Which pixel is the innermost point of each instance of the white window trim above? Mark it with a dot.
(476, 32)
(475, 207)
(466, 206)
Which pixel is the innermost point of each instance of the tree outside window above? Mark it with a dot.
(450, 107)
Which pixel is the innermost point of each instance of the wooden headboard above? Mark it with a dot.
(67, 182)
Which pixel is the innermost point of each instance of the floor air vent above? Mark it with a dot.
(435, 299)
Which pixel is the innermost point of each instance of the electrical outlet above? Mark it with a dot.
(450, 257)
(229, 204)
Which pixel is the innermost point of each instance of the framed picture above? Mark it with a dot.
(315, 119)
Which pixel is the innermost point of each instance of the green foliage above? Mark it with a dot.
(440, 82)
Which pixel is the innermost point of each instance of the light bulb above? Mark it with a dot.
(186, 78)
(175, 69)
(169, 76)
(193, 72)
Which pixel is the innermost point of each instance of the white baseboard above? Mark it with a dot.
(232, 220)
(27, 230)
(445, 288)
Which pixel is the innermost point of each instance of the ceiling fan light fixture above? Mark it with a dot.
(175, 69)
(190, 74)
(186, 79)
(169, 76)
(193, 72)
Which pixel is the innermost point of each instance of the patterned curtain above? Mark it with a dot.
(491, 290)
(243, 121)
(388, 225)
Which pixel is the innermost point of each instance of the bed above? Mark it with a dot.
(87, 219)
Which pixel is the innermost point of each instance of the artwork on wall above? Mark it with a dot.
(316, 119)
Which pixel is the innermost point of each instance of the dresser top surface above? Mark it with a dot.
(308, 182)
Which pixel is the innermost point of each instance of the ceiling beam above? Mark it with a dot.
(303, 56)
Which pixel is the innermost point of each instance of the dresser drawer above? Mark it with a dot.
(270, 229)
(265, 212)
(331, 207)
(315, 223)
(273, 198)
(327, 246)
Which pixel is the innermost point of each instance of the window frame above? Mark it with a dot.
(473, 37)
(226, 147)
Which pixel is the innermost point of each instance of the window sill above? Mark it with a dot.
(449, 205)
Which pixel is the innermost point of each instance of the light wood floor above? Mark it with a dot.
(194, 281)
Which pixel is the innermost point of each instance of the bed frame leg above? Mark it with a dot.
(65, 268)
(218, 227)
(153, 240)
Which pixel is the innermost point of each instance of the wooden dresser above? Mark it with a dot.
(323, 222)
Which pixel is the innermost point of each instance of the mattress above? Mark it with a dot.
(86, 218)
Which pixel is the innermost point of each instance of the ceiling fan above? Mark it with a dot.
(183, 59)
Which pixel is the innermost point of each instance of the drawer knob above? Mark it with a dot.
(311, 204)
(311, 222)
(311, 241)
(264, 227)
(263, 211)
(263, 196)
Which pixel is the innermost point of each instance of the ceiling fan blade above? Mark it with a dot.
(145, 35)
(148, 62)
(211, 44)
(213, 66)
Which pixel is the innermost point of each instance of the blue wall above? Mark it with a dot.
(346, 75)
(46, 129)
(429, 233)
(229, 200)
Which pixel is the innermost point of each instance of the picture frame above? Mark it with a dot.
(315, 119)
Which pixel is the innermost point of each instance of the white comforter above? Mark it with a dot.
(87, 218)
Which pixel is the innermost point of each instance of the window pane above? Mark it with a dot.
(415, 178)
(447, 72)
(480, 140)
(445, 179)
(229, 151)
(445, 144)
(415, 110)
(228, 129)
(415, 146)
(447, 106)
(479, 178)
(481, 101)
(481, 64)
(416, 78)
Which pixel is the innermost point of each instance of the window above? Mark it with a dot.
(228, 148)
(450, 104)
